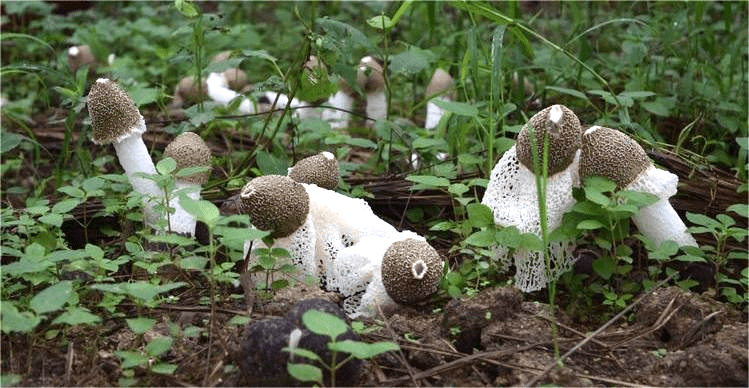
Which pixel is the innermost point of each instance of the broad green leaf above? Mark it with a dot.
(52, 298)
(380, 22)
(479, 215)
(52, 219)
(458, 108)
(166, 166)
(9, 140)
(94, 251)
(482, 238)
(411, 61)
(324, 323)
(301, 352)
(131, 359)
(203, 210)
(66, 205)
(590, 225)
(703, 220)
(140, 325)
(305, 372)
(186, 8)
(569, 92)
(159, 346)
(12, 320)
(164, 368)
(604, 267)
(193, 262)
(363, 350)
(77, 316)
(72, 191)
(741, 209)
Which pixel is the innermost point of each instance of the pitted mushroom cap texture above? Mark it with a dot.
(188, 90)
(441, 81)
(113, 114)
(369, 75)
(275, 203)
(189, 150)
(411, 270)
(320, 169)
(564, 131)
(612, 154)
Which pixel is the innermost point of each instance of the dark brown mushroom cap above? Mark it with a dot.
(411, 270)
(113, 114)
(320, 169)
(275, 203)
(612, 154)
(369, 75)
(79, 56)
(189, 150)
(564, 131)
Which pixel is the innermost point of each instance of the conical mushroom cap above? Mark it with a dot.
(441, 81)
(189, 150)
(320, 169)
(369, 75)
(564, 131)
(235, 78)
(411, 270)
(275, 203)
(612, 154)
(113, 114)
(189, 92)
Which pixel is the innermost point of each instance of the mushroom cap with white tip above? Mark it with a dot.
(113, 114)
(320, 169)
(275, 203)
(189, 150)
(564, 131)
(79, 56)
(369, 75)
(411, 270)
(612, 154)
(441, 81)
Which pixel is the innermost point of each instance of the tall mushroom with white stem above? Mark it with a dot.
(116, 120)
(612, 154)
(341, 103)
(188, 150)
(371, 79)
(440, 83)
(512, 195)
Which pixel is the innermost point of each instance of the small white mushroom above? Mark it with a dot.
(341, 103)
(512, 195)
(116, 120)
(371, 80)
(188, 150)
(610, 153)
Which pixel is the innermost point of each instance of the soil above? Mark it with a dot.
(499, 337)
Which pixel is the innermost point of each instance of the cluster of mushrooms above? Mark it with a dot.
(573, 156)
(335, 238)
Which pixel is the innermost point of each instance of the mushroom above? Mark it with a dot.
(188, 150)
(116, 120)
(411, 270)
(441, 82)
(280, 205)
(188, 91)
(79, 56)
(341, 103)
(612, 154)
(321, 170)
(370, 78)
(512, 195)
(218, 90)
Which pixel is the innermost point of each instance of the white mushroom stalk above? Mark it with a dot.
(188, 150)
(341, 103)
(441, 82)
(116, 120)
(612, 154)
(513, 198)
(371, 80)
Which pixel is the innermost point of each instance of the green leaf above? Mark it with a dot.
(52, 298)
(301, 352)
(72, 191)
(140, 325)
(94, 252)
(427, 180)
(166, 166)
(305, 372)
(131, 359)
(9, 140)
(458, 108)
(604, 267)
(482, 238)
(159, 346)
(480, 215)
(77, 316)
(411, 61)
(569, 92)
(703, 220)
(164, 368)
(203, 210)
(52, 219)
(741, 209)
(193, 262)
(66, 205)
(590, 225)
(12, 320)
(380, 22)
(186, 8)
(363, 350)
(324, 323)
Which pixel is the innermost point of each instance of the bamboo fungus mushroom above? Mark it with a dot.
(512, 195)
(441, 82)
(609, 153)
(188, 150)
(371, 80)
(116, 120)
